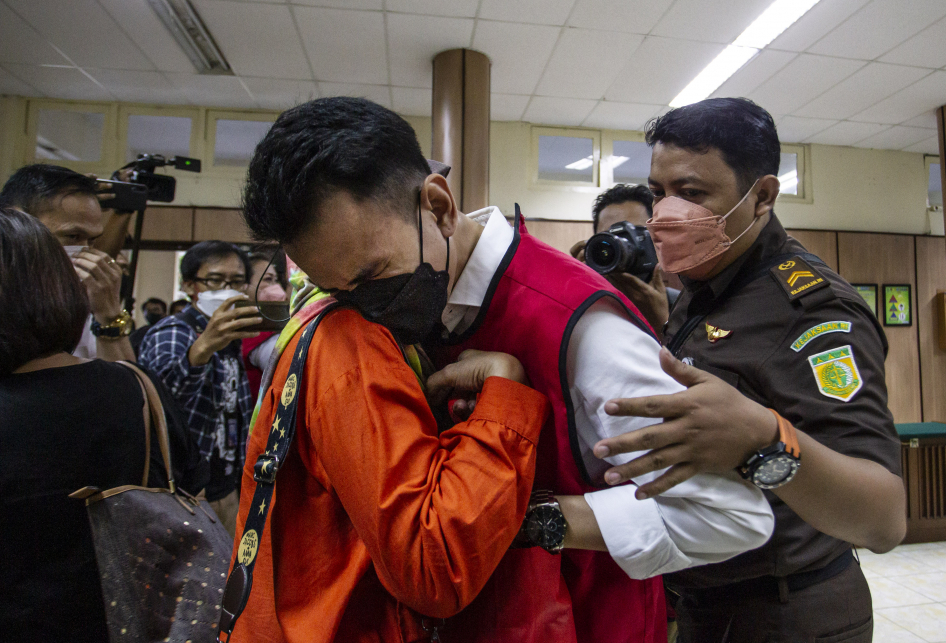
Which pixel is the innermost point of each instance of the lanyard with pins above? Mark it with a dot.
(267, 465)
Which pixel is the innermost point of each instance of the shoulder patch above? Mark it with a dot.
(797, 278)
(820, 329)
(836, 373)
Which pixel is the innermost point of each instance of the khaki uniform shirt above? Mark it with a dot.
(800, 340)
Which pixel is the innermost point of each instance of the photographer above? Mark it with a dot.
(69, 205)
(632, 204)
(196, 353)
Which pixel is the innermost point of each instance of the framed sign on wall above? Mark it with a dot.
(869, 293)
(898, 305)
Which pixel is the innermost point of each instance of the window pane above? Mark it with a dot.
(165, 135)
(236, 141)
(69, 136)
(935, 189)
(631, 162)
(565, 158)
(788, 173)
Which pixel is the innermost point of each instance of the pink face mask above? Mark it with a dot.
(272, 292)
(690, 238)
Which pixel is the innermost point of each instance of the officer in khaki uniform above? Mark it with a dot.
(785, 368)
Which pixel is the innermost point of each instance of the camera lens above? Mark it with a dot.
(603, 254)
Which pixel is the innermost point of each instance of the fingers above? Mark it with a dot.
(469, 353)
(677, 474)
(654, 406)
(647, 463)
(657, 282)
(578, 249)
(238, 324)
(655, 436)
(441, 384)
(682, 373)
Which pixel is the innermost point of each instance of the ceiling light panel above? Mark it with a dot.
(187, 28)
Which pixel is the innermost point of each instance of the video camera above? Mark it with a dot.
(144, 184)
(623, 248)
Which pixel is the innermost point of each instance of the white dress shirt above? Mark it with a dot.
(706, 519)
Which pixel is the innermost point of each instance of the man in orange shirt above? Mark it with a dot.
(381, 524)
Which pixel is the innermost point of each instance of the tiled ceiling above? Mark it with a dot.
(867, 73)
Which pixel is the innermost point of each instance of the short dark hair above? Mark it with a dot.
(205, 251)
(743, 132)
(154, 300)
(622, 193)
(43, 305)
(183, 303)
(32, 185)
(320, 147)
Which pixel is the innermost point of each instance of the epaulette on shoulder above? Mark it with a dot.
(799, 279)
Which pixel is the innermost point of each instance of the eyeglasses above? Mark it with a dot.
(217, 283)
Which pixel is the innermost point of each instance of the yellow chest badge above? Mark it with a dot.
(714, 334)
(836, 373)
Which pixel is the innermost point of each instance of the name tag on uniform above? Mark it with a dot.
(820, 329)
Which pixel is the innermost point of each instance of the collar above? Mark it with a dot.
(473, 283)
(767, 244)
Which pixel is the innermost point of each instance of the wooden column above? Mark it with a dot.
(941, 131)
(461, 124)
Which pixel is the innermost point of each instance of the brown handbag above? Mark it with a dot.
(162, 554)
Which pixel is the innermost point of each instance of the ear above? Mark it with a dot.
(768, 191)
(436, 197)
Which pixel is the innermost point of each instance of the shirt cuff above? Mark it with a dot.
(635, 533)
(518, 407)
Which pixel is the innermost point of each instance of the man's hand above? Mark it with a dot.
(650, 298)
(468, 374)
(578, 251)
(225, 326)
(102, 277)
(709, 428)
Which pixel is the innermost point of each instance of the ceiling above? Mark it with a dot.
(850, 72)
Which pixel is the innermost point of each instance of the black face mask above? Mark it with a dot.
(153, 318)
(408, 305)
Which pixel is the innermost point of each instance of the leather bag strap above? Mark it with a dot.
(158, 421)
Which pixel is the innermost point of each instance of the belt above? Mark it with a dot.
(774, 585)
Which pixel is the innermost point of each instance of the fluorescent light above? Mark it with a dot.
(190, 32)
(580, 164)
(780, 15)
(715, 74)
(617, 161)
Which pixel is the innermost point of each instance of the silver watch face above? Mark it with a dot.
(775, 471)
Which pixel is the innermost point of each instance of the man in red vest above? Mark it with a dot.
(586, 565)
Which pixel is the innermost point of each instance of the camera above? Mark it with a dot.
(156, 187)
(623, 248)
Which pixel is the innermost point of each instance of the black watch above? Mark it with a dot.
(777, 464)
(544, 525)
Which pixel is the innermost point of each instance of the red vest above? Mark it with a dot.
(530, 310)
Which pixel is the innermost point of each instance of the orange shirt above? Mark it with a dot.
(376, 519)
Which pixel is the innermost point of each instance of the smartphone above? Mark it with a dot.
(129, 197)
(274, 310)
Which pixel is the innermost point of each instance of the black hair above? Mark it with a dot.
(32, 185)
(622, 193)
(43, 305)
(320, 147)
(205, 251)
(154, 300)
(182, 303)
(743, 132)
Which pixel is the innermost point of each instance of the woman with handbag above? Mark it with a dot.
(65, 423)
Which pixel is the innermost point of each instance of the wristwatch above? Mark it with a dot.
(119, 327)
(777, 464)
(544, 525)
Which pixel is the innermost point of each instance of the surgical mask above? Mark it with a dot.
(408, 305)
(209, 301)
(73, 250)
(153, 318)
(690, 238)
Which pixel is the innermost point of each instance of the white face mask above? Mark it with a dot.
(72, 251)
(209, 301)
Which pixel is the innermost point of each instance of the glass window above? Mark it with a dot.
(69, 136)
(165, 135)
(788, 173)
(235, 141)
(566, 158)
(630, 162)
(935, 189)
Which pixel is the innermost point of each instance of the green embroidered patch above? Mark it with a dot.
(836, 373)
(821, 329)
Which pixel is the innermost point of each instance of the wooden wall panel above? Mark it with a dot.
(930, 278)
(220, 224)
(879, 259)
(167, 224)
(823, 243)
(561, 235)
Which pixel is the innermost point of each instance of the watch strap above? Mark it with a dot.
(787, 435)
